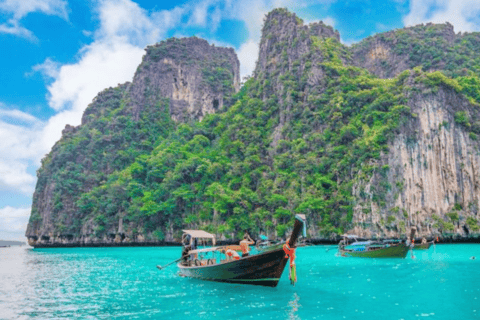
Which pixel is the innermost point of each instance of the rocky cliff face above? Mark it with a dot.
(194, 75)
(432, 175)
(430, 170)
(287, 42)
(430, 46)
(429, 175)
(291, 50)
(179, 80)
(388, 54)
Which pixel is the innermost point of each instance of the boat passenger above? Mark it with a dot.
(232, 254)
(244, 245)
(424, 241)
(185, 251)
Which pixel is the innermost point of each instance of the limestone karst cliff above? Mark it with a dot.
(193, 74)
(374, 138)
(429, 177)
(179, 80)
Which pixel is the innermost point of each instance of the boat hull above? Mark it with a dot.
(422, 246)
(264, 269)
(398, 251)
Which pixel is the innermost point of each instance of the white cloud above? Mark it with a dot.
(216, 19)
(19, 133)
(13, 175)
(12, 27)
(462, 14)
(329, 21)
(18, 9)
(199, 14)
(13, 223)
(103, 64)
(348, 42)
(21, 8)
(10, 212)
(168, 19)
(49, 68)
(16, 116)
(125, 18)
(247, 54)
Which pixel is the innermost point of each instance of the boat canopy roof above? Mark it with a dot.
(199, 234)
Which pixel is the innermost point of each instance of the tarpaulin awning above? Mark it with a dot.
(199, 234)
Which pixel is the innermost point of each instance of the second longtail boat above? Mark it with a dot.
(350, 247)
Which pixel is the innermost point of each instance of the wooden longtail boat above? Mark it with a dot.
(372, 249)
(263, 269)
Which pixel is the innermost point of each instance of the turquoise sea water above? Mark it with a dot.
(123, 283)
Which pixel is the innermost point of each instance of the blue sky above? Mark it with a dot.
(58, 54)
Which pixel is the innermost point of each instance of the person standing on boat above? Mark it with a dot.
(244, 244)
(185, 251)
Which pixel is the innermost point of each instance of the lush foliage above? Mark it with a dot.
(227, 173)
(109, 140)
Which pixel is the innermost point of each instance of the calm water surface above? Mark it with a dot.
(105, 283)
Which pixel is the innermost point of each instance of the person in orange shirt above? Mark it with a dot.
(244, 244)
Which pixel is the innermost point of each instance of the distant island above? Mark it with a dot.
(4, 243)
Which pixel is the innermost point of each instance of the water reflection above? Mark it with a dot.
(294, 305)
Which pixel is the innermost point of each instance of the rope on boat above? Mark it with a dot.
(290, 253)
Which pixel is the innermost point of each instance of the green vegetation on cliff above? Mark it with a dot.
(224, 174)
(85, 157)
